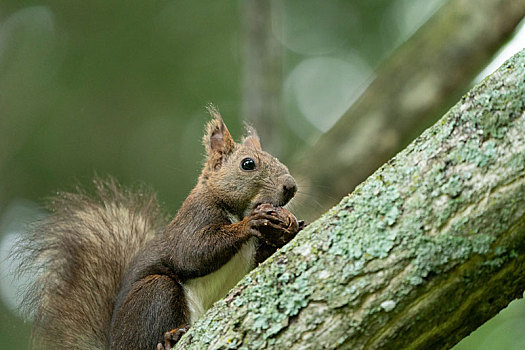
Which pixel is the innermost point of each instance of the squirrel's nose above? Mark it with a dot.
(289, 187)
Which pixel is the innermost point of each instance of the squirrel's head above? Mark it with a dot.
(242, 175)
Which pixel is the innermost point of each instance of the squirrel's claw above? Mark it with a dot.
(172, 337)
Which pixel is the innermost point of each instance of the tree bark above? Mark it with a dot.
(262, 72)
(420, 81)
(419, 255)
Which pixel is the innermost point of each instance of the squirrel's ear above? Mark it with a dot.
(251, 139)
(217, 139)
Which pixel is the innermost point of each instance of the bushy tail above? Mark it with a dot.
(79, 254)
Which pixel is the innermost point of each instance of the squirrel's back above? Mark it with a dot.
(79, 254)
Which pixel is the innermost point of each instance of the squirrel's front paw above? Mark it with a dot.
(172, 337)
(275, 225)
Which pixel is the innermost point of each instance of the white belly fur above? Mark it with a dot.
(203, 291)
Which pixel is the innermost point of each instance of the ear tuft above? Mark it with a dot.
(214, 112)
(251, 139)
(217, 139)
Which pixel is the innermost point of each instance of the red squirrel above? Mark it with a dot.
(113, 275)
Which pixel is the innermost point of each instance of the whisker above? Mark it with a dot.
(307, 201)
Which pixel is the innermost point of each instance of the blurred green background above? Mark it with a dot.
(119, 87)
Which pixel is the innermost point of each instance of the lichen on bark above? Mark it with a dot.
(420, 254)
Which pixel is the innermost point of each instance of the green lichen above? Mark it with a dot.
(481, 243)
(453, 186)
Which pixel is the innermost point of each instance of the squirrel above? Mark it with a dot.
(113, 274)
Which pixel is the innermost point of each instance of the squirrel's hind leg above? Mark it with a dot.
(151, 306)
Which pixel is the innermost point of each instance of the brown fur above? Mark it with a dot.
(81, 252)
(111, 280)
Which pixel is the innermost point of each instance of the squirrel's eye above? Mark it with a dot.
(248, 164)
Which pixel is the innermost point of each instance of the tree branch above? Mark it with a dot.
(420, 81)
(418, 256)
(262, 72)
